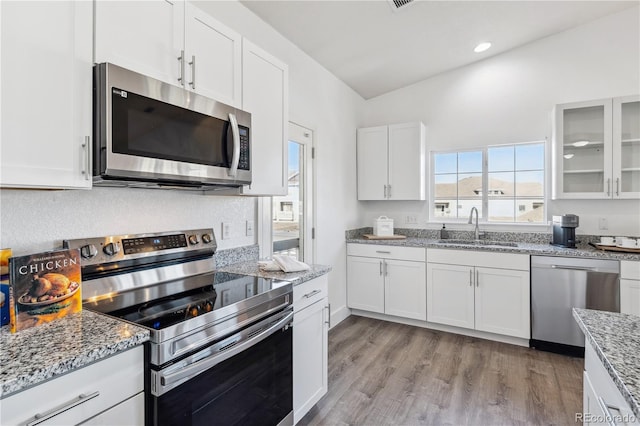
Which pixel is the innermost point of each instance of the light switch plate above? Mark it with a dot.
(226, 230)
(249, 232)
(603, 224)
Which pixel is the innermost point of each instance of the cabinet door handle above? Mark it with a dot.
(617, 187)
(193, 72)
(386, 270)
(181, 59)
(385, 191)
(80, 399)
(328, 320)
(381, 268)
(608, 187)
(389, 191)
(313, 293)
(470, 278)
(86, 146)
(477, 278)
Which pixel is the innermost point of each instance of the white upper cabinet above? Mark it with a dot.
(175, 42)
(626, 147)
(143, 36)
(45, 92)
(391, 162)
(265, 94)
(213, 55)
(597, 149)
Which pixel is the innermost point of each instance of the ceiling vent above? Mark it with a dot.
(396, 5)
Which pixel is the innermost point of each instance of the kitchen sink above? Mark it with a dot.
(479, 243)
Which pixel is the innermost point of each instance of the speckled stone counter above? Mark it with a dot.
(533, 244)
(616, 340)
(35, 355)
(251, 268)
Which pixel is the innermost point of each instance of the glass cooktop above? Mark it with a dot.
(170, 303)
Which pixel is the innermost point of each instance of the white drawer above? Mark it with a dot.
(102, 385)
(630, 270)
(387, 252)
(485, 259)
(310, 292)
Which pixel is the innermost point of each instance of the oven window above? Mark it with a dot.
(146, 127)
(253, 387)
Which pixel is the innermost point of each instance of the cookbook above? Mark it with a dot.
(44, 287)
(5, 254)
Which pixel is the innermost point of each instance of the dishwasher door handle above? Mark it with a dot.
(574, 268)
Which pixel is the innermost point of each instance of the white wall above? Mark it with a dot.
(321, 102)
(509, 98)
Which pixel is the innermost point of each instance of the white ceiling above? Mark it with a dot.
(375, 49)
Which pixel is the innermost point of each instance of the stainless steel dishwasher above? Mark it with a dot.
(559, 284)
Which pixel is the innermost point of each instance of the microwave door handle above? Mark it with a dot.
(235, 159)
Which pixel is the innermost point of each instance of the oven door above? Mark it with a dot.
(244, 379)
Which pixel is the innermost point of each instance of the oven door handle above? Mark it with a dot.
(211, 361)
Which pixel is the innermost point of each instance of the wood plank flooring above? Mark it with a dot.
(383, 373)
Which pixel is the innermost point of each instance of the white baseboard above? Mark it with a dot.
(447, 328)
(339, 315)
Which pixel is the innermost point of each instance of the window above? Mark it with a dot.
(505, 183)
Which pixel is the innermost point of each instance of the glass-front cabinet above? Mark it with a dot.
(626, 147)
(597, 149)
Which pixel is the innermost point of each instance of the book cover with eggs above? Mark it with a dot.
(44, 287)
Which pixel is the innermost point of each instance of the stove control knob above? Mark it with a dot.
(111, 249)
(193, 240)
(206, 238)
(88, 251)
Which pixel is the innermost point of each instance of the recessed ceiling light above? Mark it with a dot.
(580, 143)
(482, 47)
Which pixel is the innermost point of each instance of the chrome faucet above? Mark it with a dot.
(476, 230)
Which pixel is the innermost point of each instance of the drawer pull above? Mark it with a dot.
(80, 399)
(383, 252)
(313, 293)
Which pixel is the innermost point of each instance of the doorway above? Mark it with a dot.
(292, 214)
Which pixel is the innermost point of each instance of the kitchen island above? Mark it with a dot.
(615, 339)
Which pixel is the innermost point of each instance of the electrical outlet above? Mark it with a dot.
(249, 232)
(411, 219)
(226, 230)
(603, 224)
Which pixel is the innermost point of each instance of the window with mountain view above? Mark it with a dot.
(505, 183)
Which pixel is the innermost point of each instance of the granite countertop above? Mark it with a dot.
(251, 268)
(523, 247)
(37, 354)
(616, 340)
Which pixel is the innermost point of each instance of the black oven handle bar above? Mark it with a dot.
(225, 352)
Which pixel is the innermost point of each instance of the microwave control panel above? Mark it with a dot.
(245, 162)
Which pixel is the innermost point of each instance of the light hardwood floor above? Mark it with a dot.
(383, 373)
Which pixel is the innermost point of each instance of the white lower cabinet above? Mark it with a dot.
(603, 404)
(108, 392)
(473, 290)
(387, 279)
(630, 287)
(310, 344)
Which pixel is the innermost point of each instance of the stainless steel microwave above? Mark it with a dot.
(148, 133)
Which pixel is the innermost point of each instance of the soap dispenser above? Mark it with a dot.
(444, 234)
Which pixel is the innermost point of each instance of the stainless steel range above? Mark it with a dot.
(221, 343)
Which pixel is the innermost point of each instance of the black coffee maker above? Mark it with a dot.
(564, 230)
